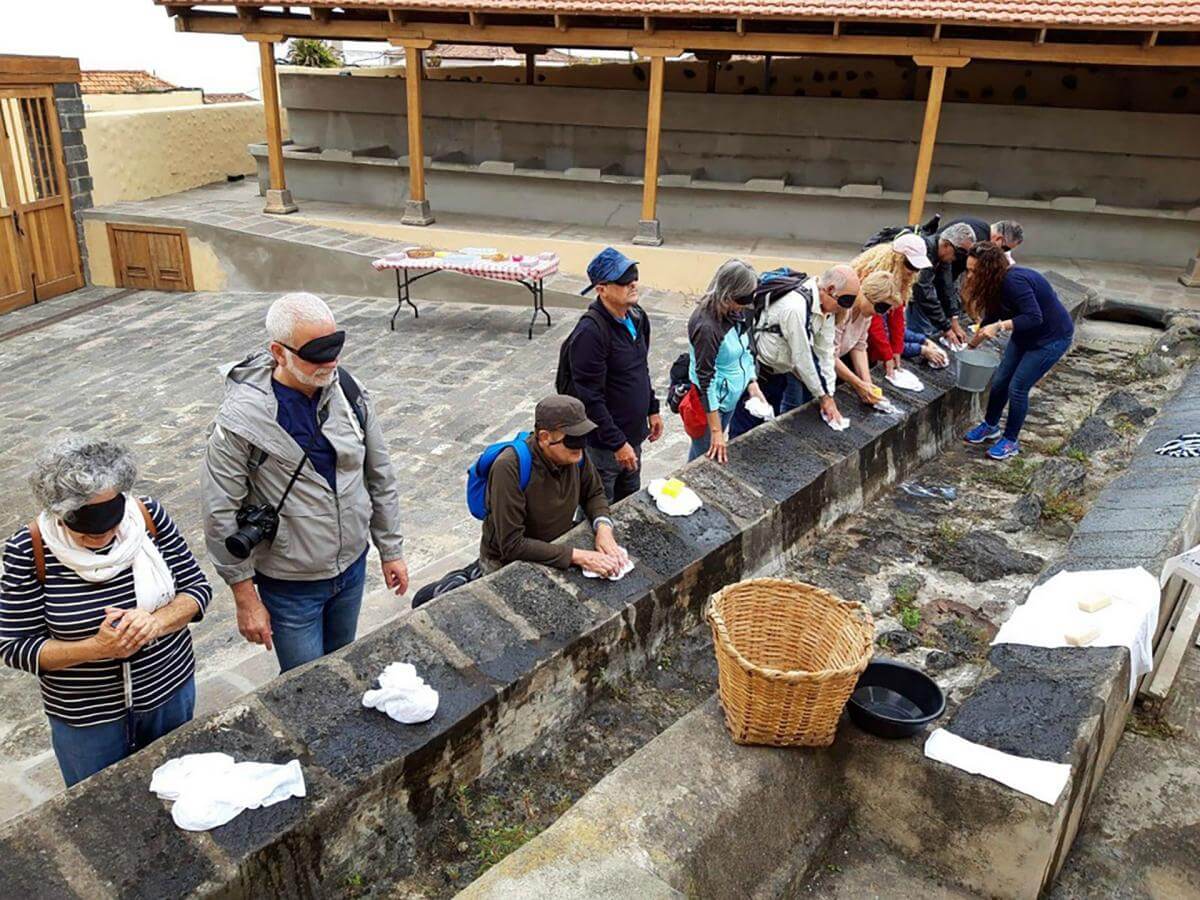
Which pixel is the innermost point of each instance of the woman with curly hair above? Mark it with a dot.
(1004, 297)
(889, 339)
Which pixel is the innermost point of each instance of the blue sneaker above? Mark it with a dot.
(1004, 449)
(982, 433)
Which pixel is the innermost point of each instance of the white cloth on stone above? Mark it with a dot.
(905, 380)
(153, 583)
(885, 406)
(1038, 778)
(403, 695)
(211, 789)
(1052, 611)
(840, 425)
(683, 503)
(626, 568)
(760, 409)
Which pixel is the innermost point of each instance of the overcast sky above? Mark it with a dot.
(136, 34)
(128, 34)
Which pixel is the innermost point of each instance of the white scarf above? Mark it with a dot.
(153, 584)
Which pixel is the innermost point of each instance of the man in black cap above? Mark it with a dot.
(609, 354)
(522, 522)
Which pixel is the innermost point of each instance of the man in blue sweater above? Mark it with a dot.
(609, 357)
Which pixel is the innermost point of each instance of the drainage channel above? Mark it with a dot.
(940, 560)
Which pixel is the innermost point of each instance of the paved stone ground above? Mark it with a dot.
(143, 369)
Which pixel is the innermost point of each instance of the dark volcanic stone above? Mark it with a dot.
(491, 641)
(898, 641)
(29, 869)
(1058, 476)
(545, 604)
(940, 660)
(1123, 403)
(1154, 365)
(1028, 510)
(775, 461)
(1094, 434)
(717, 483)
(983, 556)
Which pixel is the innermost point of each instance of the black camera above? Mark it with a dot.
(255, 525)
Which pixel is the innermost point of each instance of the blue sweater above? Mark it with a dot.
(1038, 317)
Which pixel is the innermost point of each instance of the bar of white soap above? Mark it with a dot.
(1082, 635)
(1095, 604)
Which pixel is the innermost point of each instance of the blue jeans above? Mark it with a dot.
(84, 750)
(312, 618)
(700, 444)
(1019, 371)
(784, 392)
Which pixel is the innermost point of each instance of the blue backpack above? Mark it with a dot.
(477, 474)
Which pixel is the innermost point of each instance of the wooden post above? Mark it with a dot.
(279, 198)
(649, 230)
(933, 112)
(416, 210)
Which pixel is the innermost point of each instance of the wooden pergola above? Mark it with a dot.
(937, 34)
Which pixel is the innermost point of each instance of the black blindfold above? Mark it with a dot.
(324, 349)
(97, 518)
(629, 276)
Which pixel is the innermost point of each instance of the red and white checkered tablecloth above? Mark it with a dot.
(508, 270)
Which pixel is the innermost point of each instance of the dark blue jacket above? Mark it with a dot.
(612, 377)
(1037, 315)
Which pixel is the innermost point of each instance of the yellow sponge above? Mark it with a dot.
(672, 486)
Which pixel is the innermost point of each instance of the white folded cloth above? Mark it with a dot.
(1052, 611)
(905, 380)
(841, 425)
(403, 695)
(1036, 777)
(760, 408)
(886, 406)
(210, 789)
(683, 503)
(626, 568)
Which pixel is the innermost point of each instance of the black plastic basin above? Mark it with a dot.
(894, 700)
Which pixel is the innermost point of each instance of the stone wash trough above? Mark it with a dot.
(519, 653)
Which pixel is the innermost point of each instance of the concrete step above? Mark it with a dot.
(857, 867)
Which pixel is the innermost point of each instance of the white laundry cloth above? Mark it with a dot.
(684, 503)
(760, 408)
(951, 344)
(1052, 610)
(403, 695)
(626, 568)
(1036, 777)
(836, 426)
(905, 380)
(210, 789)
(886, 406)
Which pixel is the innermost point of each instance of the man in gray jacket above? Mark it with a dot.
(290, 415)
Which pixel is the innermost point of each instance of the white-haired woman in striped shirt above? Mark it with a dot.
(95, 600)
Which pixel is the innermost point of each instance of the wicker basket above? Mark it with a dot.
(788, 657)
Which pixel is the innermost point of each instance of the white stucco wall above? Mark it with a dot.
(148, 153)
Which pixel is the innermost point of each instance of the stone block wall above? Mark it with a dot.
(72, 122)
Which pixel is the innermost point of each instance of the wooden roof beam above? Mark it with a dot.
(937, 33)
(586, 36)
(1150, 40)
(648, 24)
(397, 16)
(248, 14)
(1040, 38)
(561, 23)
(837, 28)
(173, 11)
(321, 14)
(477, 20)
(741, 26)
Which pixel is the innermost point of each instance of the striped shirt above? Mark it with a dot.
(67, 608)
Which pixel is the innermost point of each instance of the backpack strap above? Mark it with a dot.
(524, 461)
(39, 546)
(354, 396)
(39, 552)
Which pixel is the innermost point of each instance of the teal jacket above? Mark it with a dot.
(719, 360)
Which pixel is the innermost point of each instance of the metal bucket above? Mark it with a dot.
(975, 368)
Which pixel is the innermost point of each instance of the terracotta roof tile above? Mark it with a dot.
(1093, 13)
(484, 52)
(123, 81)
(227, 98)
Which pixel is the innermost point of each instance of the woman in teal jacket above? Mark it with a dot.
(720, 363)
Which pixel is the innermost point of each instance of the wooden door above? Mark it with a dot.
(37, 194)
(150, 257)
(16, 286)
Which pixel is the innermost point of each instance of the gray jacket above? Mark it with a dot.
(320, 533)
